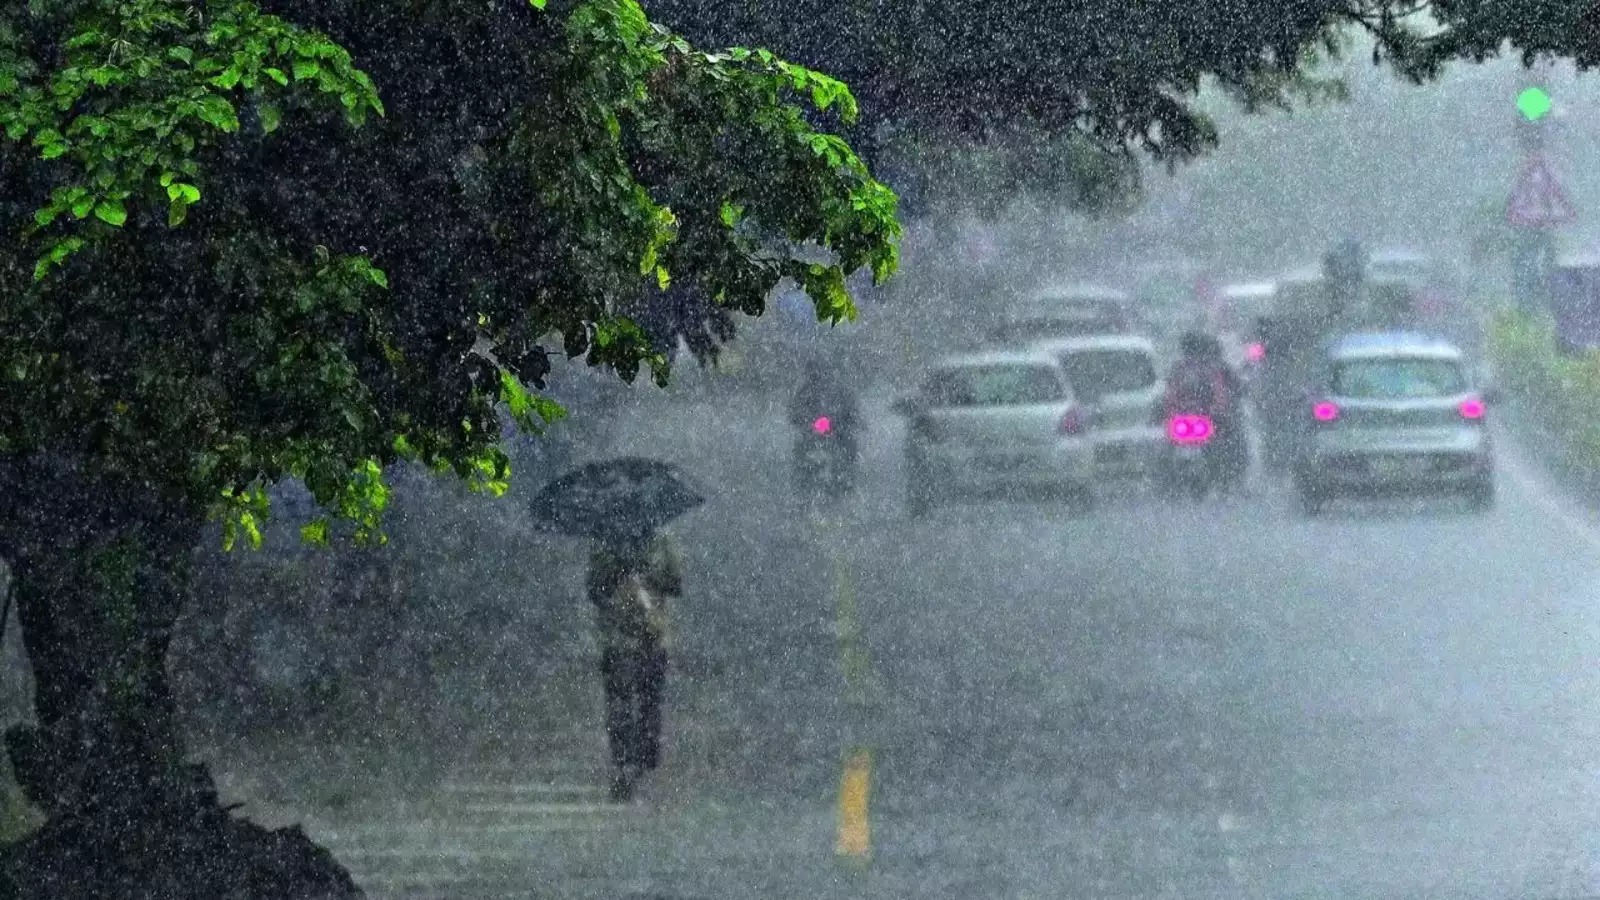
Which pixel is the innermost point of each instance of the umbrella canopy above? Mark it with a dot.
(616, 499)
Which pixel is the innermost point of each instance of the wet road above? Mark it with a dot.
(1148, 701)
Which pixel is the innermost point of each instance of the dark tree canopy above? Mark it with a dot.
(1122, 74)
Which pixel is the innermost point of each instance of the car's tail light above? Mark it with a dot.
(1190, 429)
(822, 425)
(1255, 352)
(1472, 408)
(1074, 422)
(1325, 411)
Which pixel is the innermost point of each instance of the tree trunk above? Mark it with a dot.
(100, 568)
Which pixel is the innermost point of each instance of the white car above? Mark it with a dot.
(1117, 378)
(1396, 413)
(1003, 420)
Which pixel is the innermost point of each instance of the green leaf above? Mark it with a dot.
(276, 75)
(181, 192)
(271, 117)
(538, 4)
(315, 532)
(378, 277)
(306, 68)
(252, 529)
(181, 53)
(176, 213)
(111, 212)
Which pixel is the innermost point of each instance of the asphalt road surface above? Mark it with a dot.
(1153, 700)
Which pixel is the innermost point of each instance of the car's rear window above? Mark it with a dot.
(1044, 328)
(995, 385)
(1398, 379)
(1095, 373)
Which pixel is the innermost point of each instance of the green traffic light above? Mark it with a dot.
(1535, 103)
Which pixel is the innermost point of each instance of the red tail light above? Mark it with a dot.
(1255, 352)
(1074, 422)
(822, 426)
(1326, 411)
(1190, 429)
(1472, 408)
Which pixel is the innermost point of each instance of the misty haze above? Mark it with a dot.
(1042, 449)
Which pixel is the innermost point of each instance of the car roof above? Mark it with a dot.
(1095, 342)
(1073, 308)
(1249, 289)
(1070, 292)
(1393, 343)
(997, 358)
(1398, 255)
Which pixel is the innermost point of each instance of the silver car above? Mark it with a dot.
(995, 421)
(1117, 377)
(1395, 413)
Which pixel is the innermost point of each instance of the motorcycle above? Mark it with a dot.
(825, 464)
(1196, 466)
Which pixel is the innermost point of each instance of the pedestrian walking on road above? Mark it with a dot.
(632, 578)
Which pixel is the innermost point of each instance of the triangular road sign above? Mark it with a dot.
(1537, 199)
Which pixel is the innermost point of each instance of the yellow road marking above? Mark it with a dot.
(855, 829)
(855, 783)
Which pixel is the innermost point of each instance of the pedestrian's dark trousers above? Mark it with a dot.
(634, 682)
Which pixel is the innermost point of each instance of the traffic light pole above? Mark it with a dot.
(1533, 252)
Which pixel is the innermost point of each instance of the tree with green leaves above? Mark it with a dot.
(254, 240)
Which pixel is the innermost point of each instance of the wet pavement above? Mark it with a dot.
(1151, 700)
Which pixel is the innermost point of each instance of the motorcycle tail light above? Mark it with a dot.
(1190, 429)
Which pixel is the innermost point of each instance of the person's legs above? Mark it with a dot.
(652, 680)
(621, 719)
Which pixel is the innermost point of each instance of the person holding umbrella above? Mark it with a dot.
(632, 579)
(635, 571)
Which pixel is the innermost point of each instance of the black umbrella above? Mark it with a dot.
(624, 497)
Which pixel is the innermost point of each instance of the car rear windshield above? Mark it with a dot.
(1398, 379)
(996, 385)
(1045, 328)
(1095, 373)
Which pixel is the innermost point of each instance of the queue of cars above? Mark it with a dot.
(1066, 394)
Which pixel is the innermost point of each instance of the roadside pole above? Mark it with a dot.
(1537, 205)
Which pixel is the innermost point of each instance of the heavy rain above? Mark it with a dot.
(689, 450)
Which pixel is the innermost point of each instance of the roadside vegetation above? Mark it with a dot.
(1559, 390)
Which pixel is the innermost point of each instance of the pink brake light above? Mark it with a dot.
(1189, 429)
(1255, 352)
(822, 425)
(1325, 411)
(1472, 408)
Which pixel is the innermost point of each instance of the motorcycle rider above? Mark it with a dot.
(823, 394)
(1202, 382)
